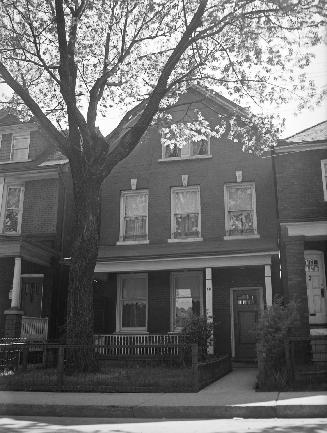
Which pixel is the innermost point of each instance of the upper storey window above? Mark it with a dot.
(12, 210)
(191, 149)
(134, 217)
(324, 177)
(240, 210)
(185, 213)
(20, 147)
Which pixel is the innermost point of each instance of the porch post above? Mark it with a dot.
(209, 307)
(15, 300)
(268, 285)
(13, 316)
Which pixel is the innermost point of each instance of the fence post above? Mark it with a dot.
(195, 367)
(25, 358)
(60, 365)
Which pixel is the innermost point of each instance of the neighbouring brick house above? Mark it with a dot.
(187, 231)
(33, 194)
(301, 180)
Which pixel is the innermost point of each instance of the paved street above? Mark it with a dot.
(101, 425)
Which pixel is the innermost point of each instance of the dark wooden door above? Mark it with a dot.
(246, 306)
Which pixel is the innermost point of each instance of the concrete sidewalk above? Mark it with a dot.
(232, 396)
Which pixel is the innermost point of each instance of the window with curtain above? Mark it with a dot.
(240, 209)
(20, 147)
(324, 177)
(134, 216)
(186, 213)
(13, 209)
(133, 301)
(188, 150)
(186, 299)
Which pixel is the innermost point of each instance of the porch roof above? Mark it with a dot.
(16, 246)
(238, 252)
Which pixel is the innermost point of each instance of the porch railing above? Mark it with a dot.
(34, 328)
(143, 344)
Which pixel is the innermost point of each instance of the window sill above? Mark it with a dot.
(15, 162)
(229, 238)
(131, 332)
(10, 234)
(171, 241)
(132, 242)
(187, 158)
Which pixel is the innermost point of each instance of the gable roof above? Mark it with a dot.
(314, 133)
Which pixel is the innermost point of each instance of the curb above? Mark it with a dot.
(172, 412)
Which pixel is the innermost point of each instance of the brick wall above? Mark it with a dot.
(159, 302)
(40, 206)
(293, 277)
(300, 188)
(6, 276)
(211, 174)
(223, 280)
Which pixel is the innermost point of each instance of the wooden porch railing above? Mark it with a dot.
(142, 344)
(34, 328)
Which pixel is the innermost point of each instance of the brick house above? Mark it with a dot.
(187, 231)
(32, 199)
(301, 179)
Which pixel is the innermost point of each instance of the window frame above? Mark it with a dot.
(254, 208)
(173, 275)
(124, 194)
(172, 219)
(20, 135)
(324, 177)
(119, 310)
(3, 208)
(182, 158)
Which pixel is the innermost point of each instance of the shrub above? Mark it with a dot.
(198, 330)
(273, 328)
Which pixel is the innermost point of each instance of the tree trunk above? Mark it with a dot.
(84, 252)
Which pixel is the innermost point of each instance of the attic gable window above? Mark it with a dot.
(185, 141)
(20, 147)
(191, 149)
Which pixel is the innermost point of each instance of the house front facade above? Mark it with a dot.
(32, 197)
(187, 231)
(301, 179)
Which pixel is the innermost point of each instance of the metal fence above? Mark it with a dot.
(306, 359)
(49, 367)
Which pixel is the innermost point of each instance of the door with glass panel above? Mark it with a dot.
(246, 307)
(316, 286)
(186, 298)
(132, 303)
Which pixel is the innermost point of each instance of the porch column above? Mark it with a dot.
(15, 300)
(13, 316)
(209, 306)
(268, 285)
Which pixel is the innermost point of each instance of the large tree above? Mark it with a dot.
(70, 61)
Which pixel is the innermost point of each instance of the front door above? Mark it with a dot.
(246, 307)
(316, 286)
